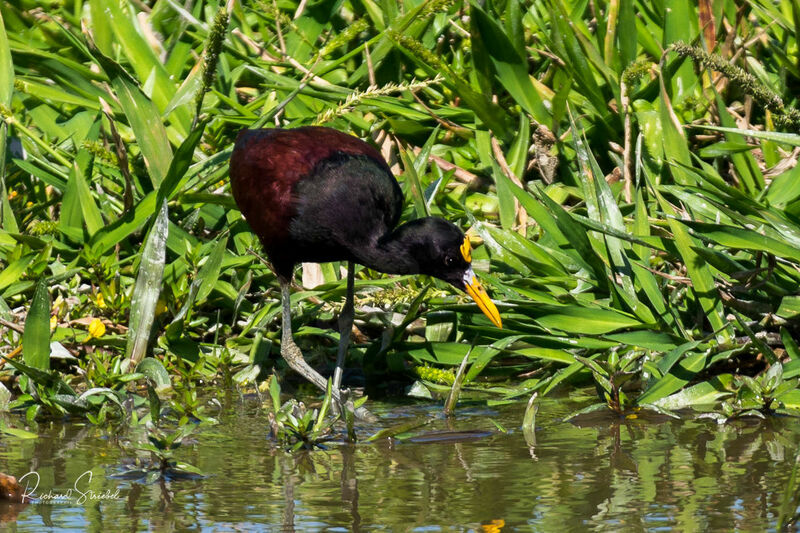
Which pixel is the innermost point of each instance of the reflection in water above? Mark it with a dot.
(288, 502)
(602, 473)
(350, 486)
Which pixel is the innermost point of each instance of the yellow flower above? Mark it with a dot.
(53, 322)
(29, 204)
(96, 329)
(12, 195)
(100, 301)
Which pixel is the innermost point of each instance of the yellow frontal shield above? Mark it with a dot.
(466, 250)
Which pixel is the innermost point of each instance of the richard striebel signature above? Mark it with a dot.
(79, 494)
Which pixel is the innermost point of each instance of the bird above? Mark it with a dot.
(316, 194)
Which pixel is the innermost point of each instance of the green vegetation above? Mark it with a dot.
(633, 204)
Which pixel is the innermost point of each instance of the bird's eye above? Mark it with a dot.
(449, 260)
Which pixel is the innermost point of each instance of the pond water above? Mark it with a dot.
(604, 474)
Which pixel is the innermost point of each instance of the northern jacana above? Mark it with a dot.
(315, 194)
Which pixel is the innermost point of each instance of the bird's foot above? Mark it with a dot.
(345, 402)
(294, 357)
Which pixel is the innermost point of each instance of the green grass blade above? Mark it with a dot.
(7, 219)
(701, 394)
(607, 211)
(209, 273)
(512, 68)
(81, 174)
(121, 228)
(147, 288)
(176, 173)
(741, 238)
(417, 192)
(678, 376)
(792, 139)
(36, 336)
(6, 67)
(146, 123)
(145, 63)
(579, 319)
(703, 284)
(13, 271)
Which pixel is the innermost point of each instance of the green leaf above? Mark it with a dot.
(673, 140)
(154, 400)
(529, 419)
(792, 139)
(703, 284)
(579, 319)
(6, 67)
(7, 220)
(789, 308)
(15, 432)
(606, 211)
(78, 184)
(209, 272)
(14, 271)
(487, 354)
(36, 336)
(512, 68)
(724, 148)
(679, 375)
(179, 165)
(130, 37)
(411, 176)
(703, 393)
(594, 367)
(586, 410)
(667, 361)
(147, 126)
(47, 378)
(568, 46)
(547, 354)
(790, 345)
(188, 90)
(626, 33)
(105, 392)
(116, 232)
(741, 238)
(154, 370)
(443, 353)
(148, 287)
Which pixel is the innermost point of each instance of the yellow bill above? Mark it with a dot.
(478, 293)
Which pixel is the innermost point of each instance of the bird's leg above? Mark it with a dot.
(289, 350)
(345, 327)
(294, 357)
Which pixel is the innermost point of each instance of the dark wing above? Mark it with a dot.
(268, 167)
(348, 203)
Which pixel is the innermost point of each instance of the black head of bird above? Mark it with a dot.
(315, 194)
(439, 249)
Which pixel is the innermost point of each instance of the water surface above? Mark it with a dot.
(605, 474)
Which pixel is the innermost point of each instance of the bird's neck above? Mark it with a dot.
(393, 253)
